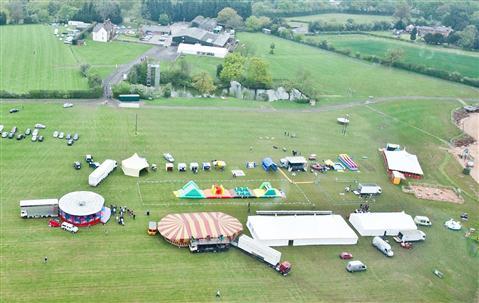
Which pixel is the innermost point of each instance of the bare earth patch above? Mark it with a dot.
(436, 194)
(470, 125)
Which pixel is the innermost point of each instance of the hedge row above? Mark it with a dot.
(421, 69)
(92, 93)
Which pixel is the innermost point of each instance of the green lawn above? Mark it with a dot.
(466, 63)
(33, 58)
(343, 77)
(105, 57)
(342, 18)
(113, 263)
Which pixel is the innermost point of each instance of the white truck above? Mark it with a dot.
(383, 246)
(262, 252)
(368, 190)
(39, 208)
(410, 236)
(101, 172)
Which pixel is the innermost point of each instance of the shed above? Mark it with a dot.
(269, 165)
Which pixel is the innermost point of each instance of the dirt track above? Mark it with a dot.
(470, 125)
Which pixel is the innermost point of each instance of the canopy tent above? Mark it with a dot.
(375, 224)
(404, 162)
(133, 165)
(301, 230)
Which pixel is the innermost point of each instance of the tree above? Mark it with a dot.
(400, 25)
(394, 55)
(413, 35)
(257, 75)
(434, 38)
(233, 68)
(94, 80)
(402, 11)
(84, 68)
(17, 10)
(66, 12)
(164, 19)
(87, 13)
(229, 17)
(203, 82)
(272, 46)
(219, 68)
(468, 37)
(3, 18)
(109, 10)
(254, 24)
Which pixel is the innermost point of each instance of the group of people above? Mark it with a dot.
(363, 208)
(120, 218)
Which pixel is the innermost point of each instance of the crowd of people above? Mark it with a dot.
(120, 213)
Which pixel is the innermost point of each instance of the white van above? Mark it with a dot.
(354, 266)
(383, 246)
(422, 220)
(69, 227)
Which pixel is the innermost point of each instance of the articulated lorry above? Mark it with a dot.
(263, 253)
(101, 172)
(39, 208)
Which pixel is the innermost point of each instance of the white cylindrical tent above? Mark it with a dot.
(133, 165)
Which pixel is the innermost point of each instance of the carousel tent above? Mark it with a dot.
(81, 208)
(133, 165)
(179, 229)
(301, 230)
(375, 224)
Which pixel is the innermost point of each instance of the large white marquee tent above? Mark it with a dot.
(301, 230)
(133, 165)
(375, 224)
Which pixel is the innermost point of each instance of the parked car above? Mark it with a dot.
(345, 255)
(70, 142)
(312, 157)
(168, 157)
(61, 135)
(354, 266)
(28, 132)
(14, 110)
(20, 136)
(54, 223)
(453, 225)
(68, 136)
(77, 165)
(35, 132)
(34, 138)
(88, 158)
(14, 129)
(76, 137)
(40, 138)
(4, 134)
(40, 126)
(55, 134)
(69, 227)
(67, 105)
(1, 127)
(11, 135)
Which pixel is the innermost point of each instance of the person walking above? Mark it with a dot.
(218, 294)
(45, 260)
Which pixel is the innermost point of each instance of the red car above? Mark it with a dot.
(345, 255)
(54, 223)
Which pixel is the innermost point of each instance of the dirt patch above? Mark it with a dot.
(469, 123)
(439, 193)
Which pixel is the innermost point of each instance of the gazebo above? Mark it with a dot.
(134, 165)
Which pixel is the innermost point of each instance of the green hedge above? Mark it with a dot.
(93, 93)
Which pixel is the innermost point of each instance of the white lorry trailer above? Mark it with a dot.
(101, 172)
(262, 252)
(383, 246)
(39, 208)
(410, 236)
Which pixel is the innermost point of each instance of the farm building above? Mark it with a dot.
(103, 32)
(155, 30)
(81, 208)
(403, 162)
(208, 24)
(134, 165)
(201, 50)
(194, 35)
(78, 24)
(301, 230)
(179, 229)
(376, 224)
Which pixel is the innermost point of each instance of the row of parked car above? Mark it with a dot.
(69, 137)
(20, 136)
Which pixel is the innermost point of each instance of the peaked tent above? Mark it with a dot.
(133, 165)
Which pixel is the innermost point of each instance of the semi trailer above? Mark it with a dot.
(42, 208)
(101, 172)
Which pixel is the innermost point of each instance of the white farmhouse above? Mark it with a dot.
(103, 32)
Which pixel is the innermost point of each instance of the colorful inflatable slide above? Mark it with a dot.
(348, 162)
(191, 191)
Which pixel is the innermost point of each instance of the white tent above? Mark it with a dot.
(375, 224)
(301, 230)
(133, 165)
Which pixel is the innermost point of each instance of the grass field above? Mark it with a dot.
(32, 58)
(113, 263)
(104, 57)
(466, 63)
(342, 77)
(342, 18)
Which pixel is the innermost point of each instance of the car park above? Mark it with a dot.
(40, 138)
(40, 126)
(61, 135)
(20, 136)
(70, 142)
(28, 132)
(76, 137)
(55, 134)
(14, 110)
(69, 227)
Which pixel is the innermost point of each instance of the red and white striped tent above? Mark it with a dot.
(179, 229)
